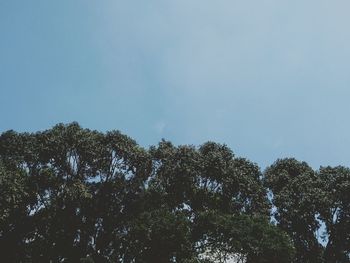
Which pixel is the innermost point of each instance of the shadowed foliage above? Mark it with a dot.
(70, 194)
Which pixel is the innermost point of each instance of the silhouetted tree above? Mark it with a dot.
(70, 194)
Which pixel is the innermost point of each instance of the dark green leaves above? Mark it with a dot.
(70, 194)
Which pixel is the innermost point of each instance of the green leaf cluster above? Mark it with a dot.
(70, 194)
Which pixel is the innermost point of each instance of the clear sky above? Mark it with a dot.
(270, 78)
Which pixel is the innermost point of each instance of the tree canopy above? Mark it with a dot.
(70, 194)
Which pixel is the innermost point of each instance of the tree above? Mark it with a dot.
(71, 194)
(334, 208)
(81, 184)
(294, 188)
(222, 197)
(253, 238)
(14, 210)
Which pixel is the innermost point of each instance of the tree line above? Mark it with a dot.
(70, 194)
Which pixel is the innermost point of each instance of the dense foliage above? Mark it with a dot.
(70, 194)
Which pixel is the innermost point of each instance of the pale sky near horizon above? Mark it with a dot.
(270, 78)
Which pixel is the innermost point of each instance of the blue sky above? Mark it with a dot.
(269, 78)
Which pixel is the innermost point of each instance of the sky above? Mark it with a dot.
(269, 78)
